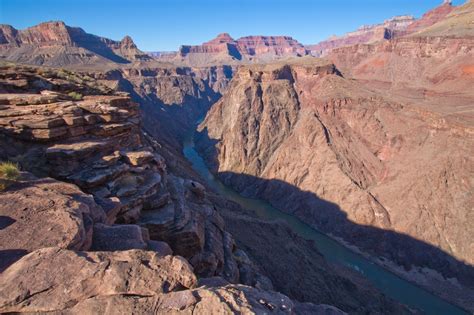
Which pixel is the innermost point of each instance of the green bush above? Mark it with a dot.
(75, 96)
(9, 172)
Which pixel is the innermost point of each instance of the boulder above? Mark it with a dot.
(30, 285)
(43, 213)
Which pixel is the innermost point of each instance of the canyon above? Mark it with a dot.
(367, 138)
(369, 125)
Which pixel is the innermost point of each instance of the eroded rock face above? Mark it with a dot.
(56, 44)
(431, 17)
(194, 229)
(96, 142)
(340, 157)
(172, 98)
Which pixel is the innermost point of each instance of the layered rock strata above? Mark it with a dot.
(391, 28)
(395, 27)
(96, 143)
(56, 44)
(225, 50)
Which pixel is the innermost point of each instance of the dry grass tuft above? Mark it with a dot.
(9, 172)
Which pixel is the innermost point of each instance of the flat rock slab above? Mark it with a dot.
(54, 279)
(27, 99)
(44, 213)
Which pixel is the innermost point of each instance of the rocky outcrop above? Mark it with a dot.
(262, 46)
(339, 156)
(128, 281)
(56, 44)
(61, 213)
(96, 143)
(79, 276)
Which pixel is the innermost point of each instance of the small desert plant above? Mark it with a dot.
(9, 172)
(75, 96)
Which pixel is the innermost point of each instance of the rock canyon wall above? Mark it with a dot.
(387, 176)
(395, 27)
(225, 50)
(56, 44)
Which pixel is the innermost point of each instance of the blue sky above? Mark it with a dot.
(162, 25)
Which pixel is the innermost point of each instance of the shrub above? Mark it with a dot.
(75, 96)
(9, 172)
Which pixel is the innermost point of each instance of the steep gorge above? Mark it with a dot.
(350, 162)
(172, 99)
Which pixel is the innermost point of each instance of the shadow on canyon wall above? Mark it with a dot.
(329, 218)
(95, 44)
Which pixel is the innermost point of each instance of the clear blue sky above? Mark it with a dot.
(157, 25)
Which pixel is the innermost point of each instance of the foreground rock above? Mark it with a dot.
(31, 286)
(43, 213)
(124, 282)
(230, 299)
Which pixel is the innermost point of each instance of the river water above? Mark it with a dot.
(387, 282)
